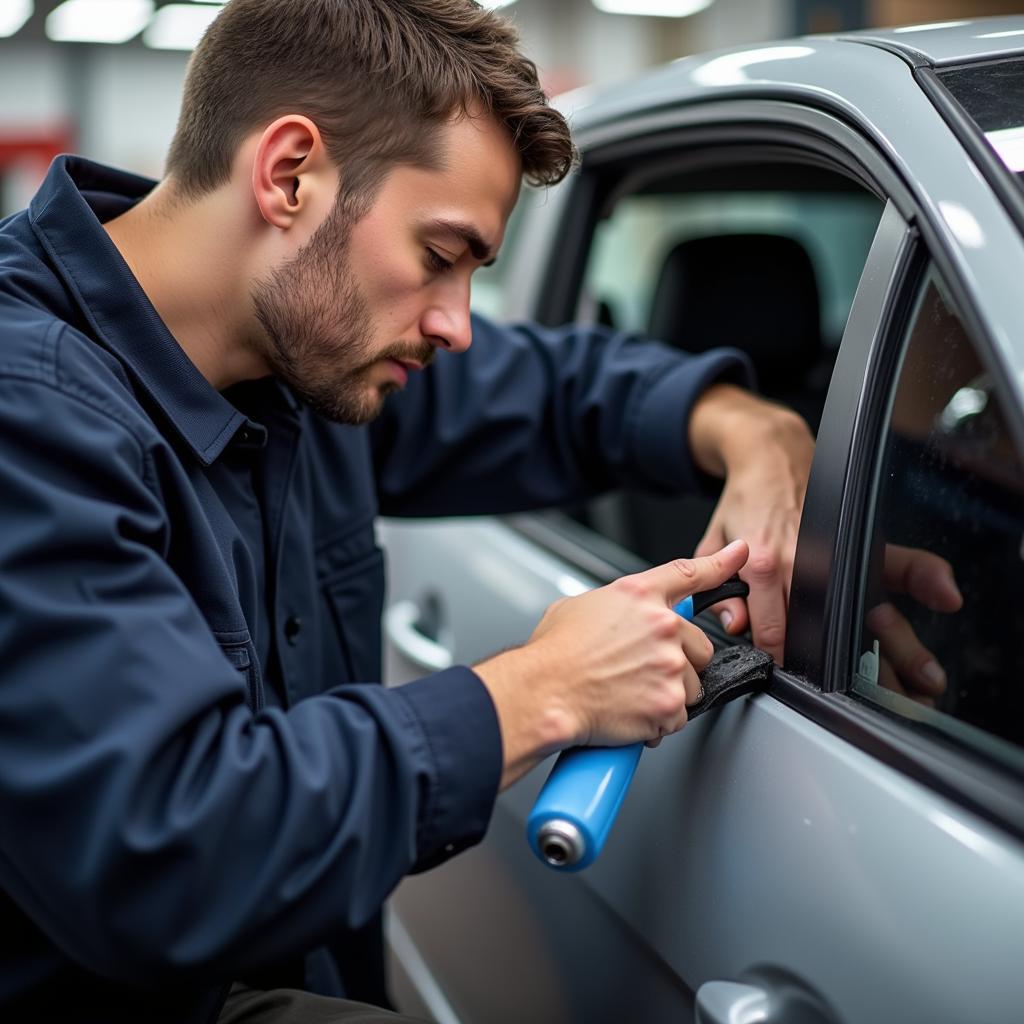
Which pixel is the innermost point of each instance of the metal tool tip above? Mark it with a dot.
(560, 843)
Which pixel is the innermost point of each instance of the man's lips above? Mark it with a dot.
(403, 367)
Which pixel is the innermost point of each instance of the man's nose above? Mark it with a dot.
(447, 324)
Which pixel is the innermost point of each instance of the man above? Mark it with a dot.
(203, 805)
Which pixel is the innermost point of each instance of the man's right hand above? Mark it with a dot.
(613, 666)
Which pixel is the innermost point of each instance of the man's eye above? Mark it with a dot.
(437, 263)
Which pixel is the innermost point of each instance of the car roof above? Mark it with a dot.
(950, 42)
(796, 68)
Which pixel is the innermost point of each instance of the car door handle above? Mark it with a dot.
(401, 623)
(783, 1000)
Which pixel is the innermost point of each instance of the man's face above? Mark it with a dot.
(362, 304)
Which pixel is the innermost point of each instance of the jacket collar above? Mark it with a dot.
(67, 213)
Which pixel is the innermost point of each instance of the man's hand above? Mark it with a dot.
(764, 451)
(905, 665)
(613, 666)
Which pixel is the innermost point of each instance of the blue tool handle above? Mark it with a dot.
(574, 813)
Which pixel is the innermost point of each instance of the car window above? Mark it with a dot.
(992, 95)
(769, 265)
(631, 247)
(944, 563)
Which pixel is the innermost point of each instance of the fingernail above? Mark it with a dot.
(726, 619)
(932, 673)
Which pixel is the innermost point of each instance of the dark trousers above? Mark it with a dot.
(291, 1006)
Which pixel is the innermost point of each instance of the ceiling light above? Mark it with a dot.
(98, 21)
(653, 8)
(14, 14)
(179, 26)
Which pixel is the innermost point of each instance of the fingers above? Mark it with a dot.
(732, 613)
(926, 577)
(768, 571)
(684, 576)
(914, 665)
(697, 647)
(694, 689)
(766, 603)
(696, 650)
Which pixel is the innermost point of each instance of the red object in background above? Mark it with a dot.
(20, 147)
(25, 154)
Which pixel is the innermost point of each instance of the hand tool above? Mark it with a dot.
(574, 812)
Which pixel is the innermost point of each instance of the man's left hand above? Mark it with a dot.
(764, 451)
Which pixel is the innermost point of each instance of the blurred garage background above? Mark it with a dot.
(103, 77)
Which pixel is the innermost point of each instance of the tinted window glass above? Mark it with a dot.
(943, 620)
(992, 94)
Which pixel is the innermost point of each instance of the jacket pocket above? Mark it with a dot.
(352, 584)
(240, 651)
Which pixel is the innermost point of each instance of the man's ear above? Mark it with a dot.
(290, 170)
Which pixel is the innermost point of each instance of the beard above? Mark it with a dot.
(318, 333)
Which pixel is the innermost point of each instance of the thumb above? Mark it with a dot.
(684, 576)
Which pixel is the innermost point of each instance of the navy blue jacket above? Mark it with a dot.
(196, 782)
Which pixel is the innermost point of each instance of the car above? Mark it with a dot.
(850, 211)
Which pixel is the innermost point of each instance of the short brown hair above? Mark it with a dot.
(377, 77)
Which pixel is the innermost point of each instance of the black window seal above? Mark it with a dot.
(859, 494)
(972, 138)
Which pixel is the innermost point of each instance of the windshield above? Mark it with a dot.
(992, 95)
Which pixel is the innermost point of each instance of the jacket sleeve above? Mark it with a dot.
(531, 417)
(149, 822)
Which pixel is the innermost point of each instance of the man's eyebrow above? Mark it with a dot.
(469, 234)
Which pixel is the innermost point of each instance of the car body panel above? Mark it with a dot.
(951, 42)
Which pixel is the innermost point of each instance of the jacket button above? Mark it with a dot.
(292, 629)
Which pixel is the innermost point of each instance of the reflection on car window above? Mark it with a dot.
(942, 617)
